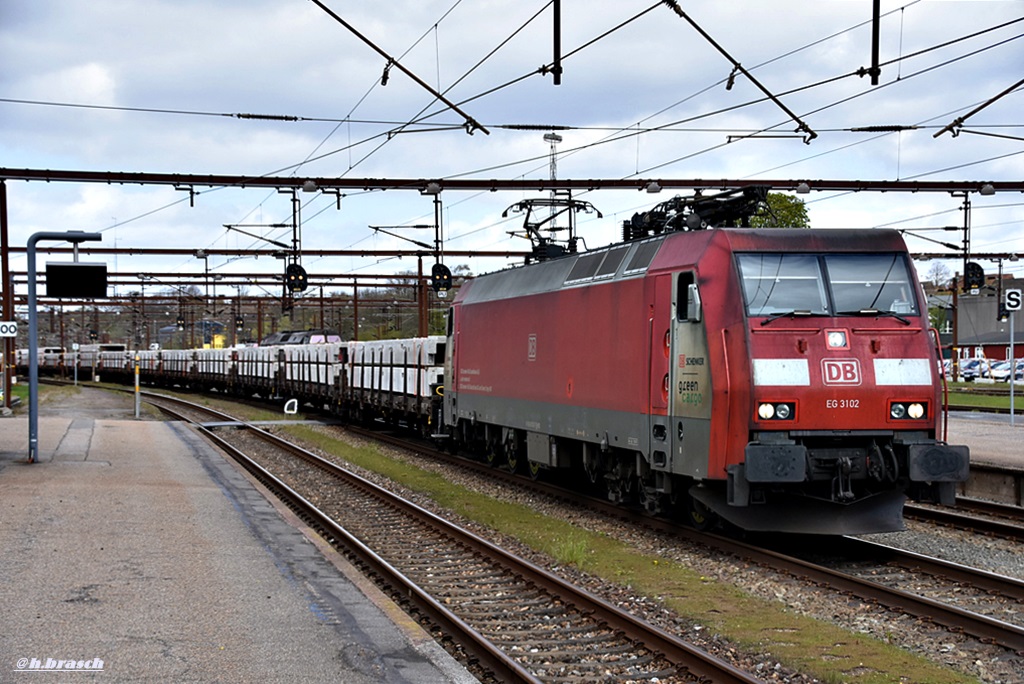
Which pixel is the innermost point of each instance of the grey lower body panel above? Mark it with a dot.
(597, 426)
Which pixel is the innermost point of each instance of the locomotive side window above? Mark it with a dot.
(604, 265)
(611, 262)
(878, 282)
(584, 268)
(642, 257)
(781, 283)
(687, 298)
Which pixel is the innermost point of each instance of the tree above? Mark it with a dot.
(784, 211)
(939, 274)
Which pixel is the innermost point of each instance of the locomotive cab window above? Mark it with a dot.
(832, 284)
(871, 282)
(782, 283)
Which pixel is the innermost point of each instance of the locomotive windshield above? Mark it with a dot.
(826, 284)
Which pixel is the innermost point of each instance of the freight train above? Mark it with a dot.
(775, 379)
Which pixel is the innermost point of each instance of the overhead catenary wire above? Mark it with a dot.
(471, 123)
(348, 119)
(959, 121)
(652, 129)
(801, 124)
(629, 132)
(388, 135)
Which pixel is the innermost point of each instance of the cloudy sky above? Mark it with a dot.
(154, 86)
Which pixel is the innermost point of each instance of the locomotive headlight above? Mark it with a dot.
(836, 339)
(778, 411)
(915, 410)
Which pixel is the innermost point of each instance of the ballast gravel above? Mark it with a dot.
(988, 663)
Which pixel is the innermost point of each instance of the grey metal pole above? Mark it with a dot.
(138, 397)
(74, 236)
(1013, 366)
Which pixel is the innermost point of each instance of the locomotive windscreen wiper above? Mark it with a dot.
(783, 314)
(875, 312)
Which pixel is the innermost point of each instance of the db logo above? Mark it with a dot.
(846, 372)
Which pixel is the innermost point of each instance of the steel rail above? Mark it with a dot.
(981, 626)
(982, 579)
(984, 409)
(1005, 529)
(696, 661)
(492, 658)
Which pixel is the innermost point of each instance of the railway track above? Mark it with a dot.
(986, 605)
(951, 596)
(1002, 390)
(518, 621)
(984, 517)
(966, 408)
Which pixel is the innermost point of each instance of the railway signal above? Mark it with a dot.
(295, 278)
(440, 279)
(974, 276)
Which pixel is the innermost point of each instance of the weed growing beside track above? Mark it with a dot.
(821, 650)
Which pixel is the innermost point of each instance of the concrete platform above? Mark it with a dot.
(993, 441)
(135, 548)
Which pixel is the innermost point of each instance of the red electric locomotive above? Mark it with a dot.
(780, 379)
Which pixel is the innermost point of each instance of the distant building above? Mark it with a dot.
(979, 332)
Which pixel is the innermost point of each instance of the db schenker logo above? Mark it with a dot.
(840, 372)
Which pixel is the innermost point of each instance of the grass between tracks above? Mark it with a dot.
(987, 401)
(753, 624)
(967, 394)
(819, 649)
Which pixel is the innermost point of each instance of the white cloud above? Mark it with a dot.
(291, 58)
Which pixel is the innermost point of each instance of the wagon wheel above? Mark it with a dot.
(534, 469)
(491, 454)
(677, 497)
(645, 498)
(513, 455)
(590, 467)
(627, 488)
(700, 516)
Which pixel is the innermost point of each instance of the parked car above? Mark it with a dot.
(970, 369)
(1000, 370)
